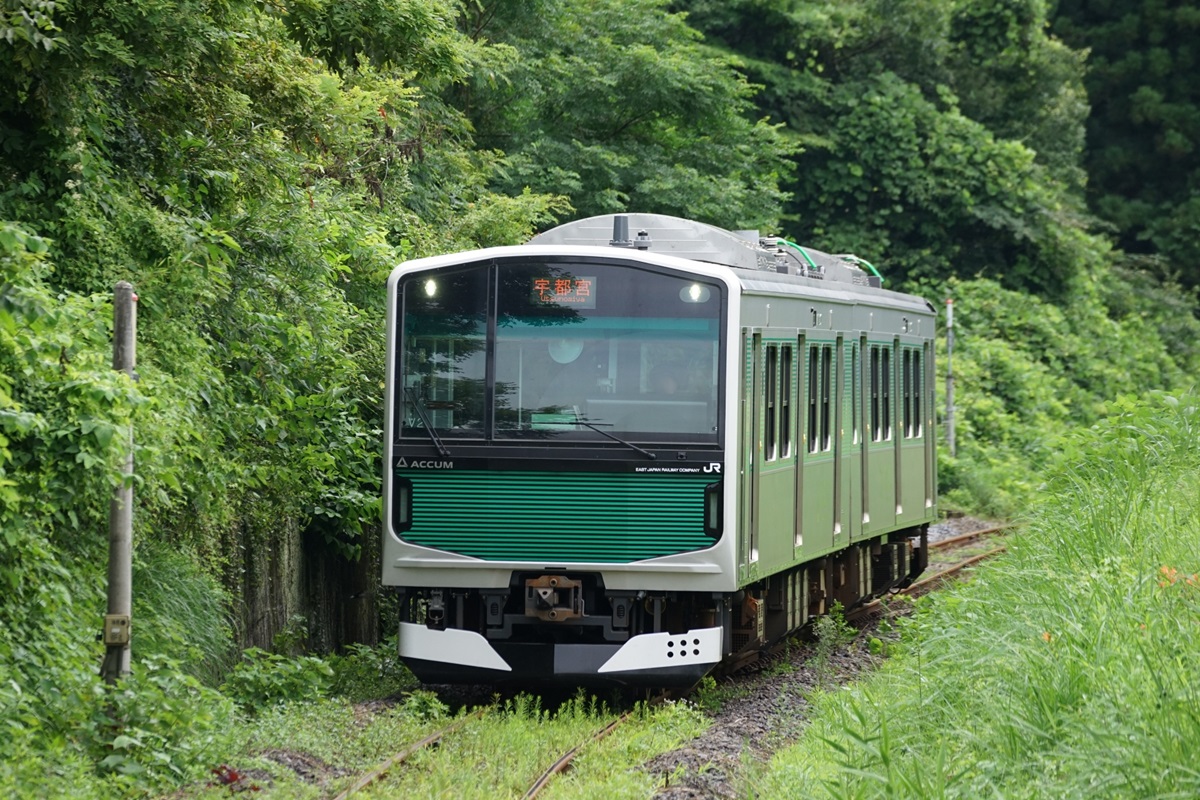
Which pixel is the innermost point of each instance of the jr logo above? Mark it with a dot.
(714, 466)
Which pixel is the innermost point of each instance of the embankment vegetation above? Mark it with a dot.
(1065, 668)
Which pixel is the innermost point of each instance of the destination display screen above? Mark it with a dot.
(562, 290)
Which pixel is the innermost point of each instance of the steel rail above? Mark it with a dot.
(403, 755)
(939, 576)
(921, 586)
(966, 537)
(564, 762)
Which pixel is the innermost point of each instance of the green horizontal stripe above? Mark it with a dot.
(553, 516)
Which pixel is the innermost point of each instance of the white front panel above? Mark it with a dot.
(450, 646)
(661, 650)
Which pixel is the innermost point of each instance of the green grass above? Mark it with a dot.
(611, 768)
(502, 754)
(498, 755)
(1067, 668)
(334, 738)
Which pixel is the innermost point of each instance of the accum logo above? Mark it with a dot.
(404, 463)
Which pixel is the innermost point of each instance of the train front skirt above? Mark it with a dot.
(651, 659)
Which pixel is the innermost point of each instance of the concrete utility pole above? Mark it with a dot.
(120, 516)
(950, 378)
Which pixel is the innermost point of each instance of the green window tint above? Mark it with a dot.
(443, 360)
(854, 393)
(881, 378)
(627, 351)
(559, 348)
(906, 409)
(885, 392)
(918, 380)
(769, 393)
(826, 397)
(820, 398)
(912, 387)
(814, 355)
(785, 402)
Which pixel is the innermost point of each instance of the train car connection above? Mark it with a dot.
(639, 445)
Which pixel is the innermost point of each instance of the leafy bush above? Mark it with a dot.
(158, 727)
(1026, 373)
(265, 679)
(182, 613)
(366, 673)
(832, 633)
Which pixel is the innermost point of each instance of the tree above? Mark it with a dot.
(255, 171)
(1143, 161)
(617, 105)
(939, 137)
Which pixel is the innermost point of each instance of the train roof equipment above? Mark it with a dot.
(698, 241)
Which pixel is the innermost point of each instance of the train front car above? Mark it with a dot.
(555, 425)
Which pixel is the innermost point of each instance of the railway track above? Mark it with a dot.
(953, 555)
(380, 772)
(943, 567)
(957, 553)
(564, 762)
(461, 727)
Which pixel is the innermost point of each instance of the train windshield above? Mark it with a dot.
(554, 349)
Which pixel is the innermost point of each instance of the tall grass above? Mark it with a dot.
(180, 612)
(1069, 668)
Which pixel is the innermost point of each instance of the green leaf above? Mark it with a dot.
(124, 742)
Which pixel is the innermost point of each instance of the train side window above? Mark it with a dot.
(885, 393)
(814, 355)
(770, 391)
(906, 391)
(785, 402)
(918, 388)
(913, 387)
(874, 389)
(854, 393)
(826, 386)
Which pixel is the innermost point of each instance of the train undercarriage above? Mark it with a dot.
(566, 627)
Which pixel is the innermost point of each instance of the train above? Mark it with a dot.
(638, 447)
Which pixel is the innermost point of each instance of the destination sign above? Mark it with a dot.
(577, 292)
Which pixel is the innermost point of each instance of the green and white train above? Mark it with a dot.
(625, 459)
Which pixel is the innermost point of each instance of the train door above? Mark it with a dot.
(774, 508)
(818, 458)
(879, 474)
(852, 443)
(911, 456)
(750, 405)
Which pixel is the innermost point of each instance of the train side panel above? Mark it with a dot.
(837, 431)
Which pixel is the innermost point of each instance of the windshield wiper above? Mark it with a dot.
(594, 426)
(419, 407)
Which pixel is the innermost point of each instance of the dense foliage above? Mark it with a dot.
(1142, 161)
(942, 135)
(255, 170)
(617, 104)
